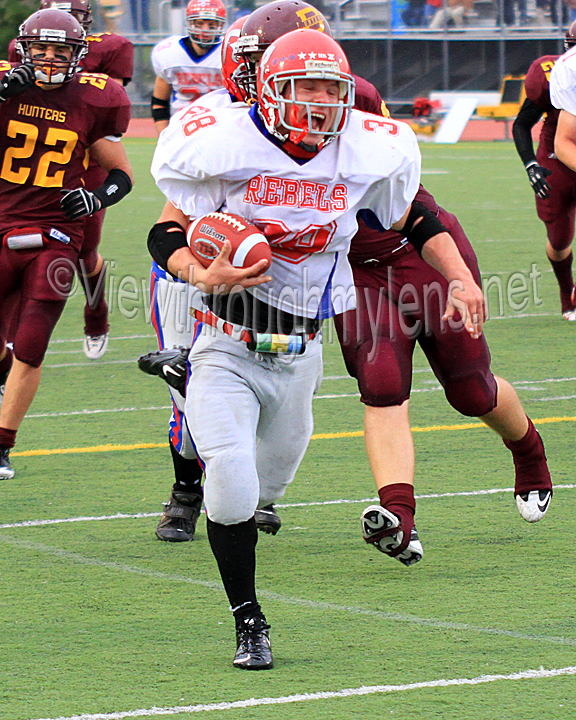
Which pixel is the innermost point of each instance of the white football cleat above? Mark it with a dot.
(570, 315)
(375, 520)
(95, 346)
(6, 469)
(533, 505)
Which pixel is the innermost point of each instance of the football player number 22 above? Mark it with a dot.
(42, 177)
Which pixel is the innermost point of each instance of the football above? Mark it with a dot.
(206, 237)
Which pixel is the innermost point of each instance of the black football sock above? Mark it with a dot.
(234, 547)
(187, 473)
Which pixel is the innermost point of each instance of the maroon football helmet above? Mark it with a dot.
(570, 39)
(80, 9)
(55, 27)
(269, 22)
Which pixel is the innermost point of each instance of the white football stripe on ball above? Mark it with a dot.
(245, 246)
(191, 229)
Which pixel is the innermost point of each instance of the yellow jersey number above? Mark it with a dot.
(547, 66)
(98, 80)
(42, 177)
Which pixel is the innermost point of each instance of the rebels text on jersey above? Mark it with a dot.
(224, 159)
(190, 76)
(537, 85)
(108, 53)
(46, 135)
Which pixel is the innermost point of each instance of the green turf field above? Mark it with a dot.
(100, 620)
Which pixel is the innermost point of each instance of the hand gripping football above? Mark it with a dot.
(206, 237)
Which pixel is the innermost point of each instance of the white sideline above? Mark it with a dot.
(324, 695)
(340, 501)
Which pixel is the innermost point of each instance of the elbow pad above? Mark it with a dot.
(162, 243)
(162, 112)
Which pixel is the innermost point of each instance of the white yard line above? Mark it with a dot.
(326, 695)
(318, 503)
(285, 599)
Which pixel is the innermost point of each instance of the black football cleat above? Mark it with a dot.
(178, 521)
(169, 364)
(6, 469)
(253, 651)
(268, 520)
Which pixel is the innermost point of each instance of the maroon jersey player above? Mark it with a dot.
(406, 298)
(553, 183)
(112, 55)
(51, 115)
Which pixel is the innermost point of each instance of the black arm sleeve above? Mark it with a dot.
(528, 116)
(116, 186)
(421, 224)
(162, 243)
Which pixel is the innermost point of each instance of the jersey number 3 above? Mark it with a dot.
(42, 178)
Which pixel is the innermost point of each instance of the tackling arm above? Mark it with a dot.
(439, 250)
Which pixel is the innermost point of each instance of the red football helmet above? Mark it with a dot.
(80, 9)
(231, 66)
(570, 39)
(205, 10)
(298, 55)
(54, 27)
(267, 24)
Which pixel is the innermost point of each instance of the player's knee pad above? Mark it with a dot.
(231, 488)
(472, 395)
(381, 380)
(37, 321)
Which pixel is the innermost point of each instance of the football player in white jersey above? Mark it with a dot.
(170, 301)
(289, 165)
(563, 96)
(188, 67)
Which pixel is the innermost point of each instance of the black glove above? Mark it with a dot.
(537, 176)
(17, 81)
(78, 203)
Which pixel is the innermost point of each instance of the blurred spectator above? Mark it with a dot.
(111, 10)
(451, 13)
(140, 12)
(415, 13)
(508, 14)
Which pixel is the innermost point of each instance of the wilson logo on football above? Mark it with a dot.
(208, 230)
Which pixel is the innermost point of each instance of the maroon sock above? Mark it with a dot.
(399, 499)
(530, 462)
(96, 308)
(6, 362)
(563, 271)
(7, 438)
